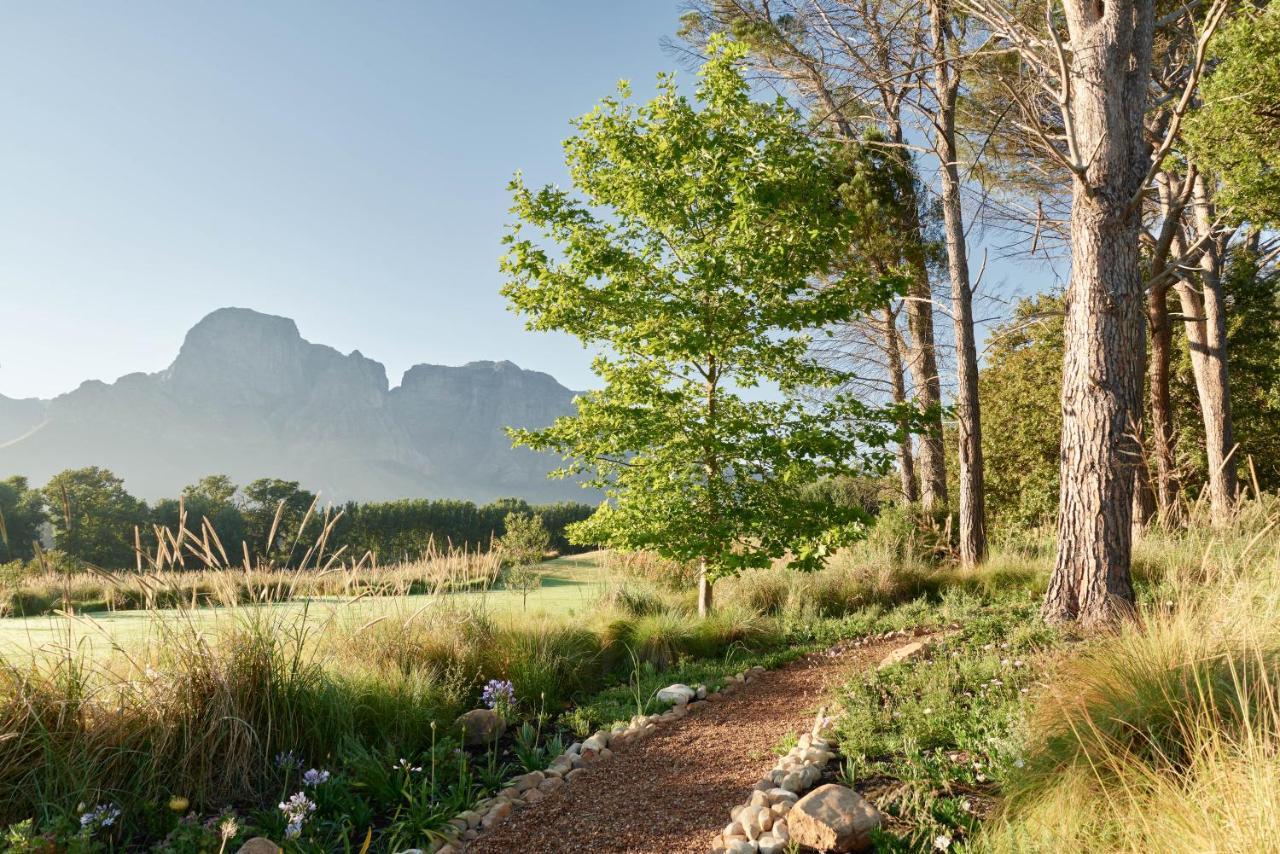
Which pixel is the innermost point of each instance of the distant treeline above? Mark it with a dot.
(397, 529)
(95, 520)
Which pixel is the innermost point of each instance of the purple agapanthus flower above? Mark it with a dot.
(288, 761)
(499, 692)
(102, 815)
(315, 777)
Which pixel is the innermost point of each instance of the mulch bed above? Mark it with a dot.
(673, 791)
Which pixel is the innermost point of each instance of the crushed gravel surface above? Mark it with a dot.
(672, 792)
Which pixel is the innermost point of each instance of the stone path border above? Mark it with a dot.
(568, 813)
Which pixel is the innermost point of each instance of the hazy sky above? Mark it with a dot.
(343, 164)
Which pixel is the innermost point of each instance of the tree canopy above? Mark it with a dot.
(21, 515)
(703, 250)
(1236, 133)
(94, 517)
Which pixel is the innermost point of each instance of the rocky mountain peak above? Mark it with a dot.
(249, 396)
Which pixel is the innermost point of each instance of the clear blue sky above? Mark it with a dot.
(340, 163)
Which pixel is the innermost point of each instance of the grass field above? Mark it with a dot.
(569, 586)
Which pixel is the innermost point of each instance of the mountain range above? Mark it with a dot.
(247, 396)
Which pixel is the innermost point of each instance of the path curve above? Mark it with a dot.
(672, 792)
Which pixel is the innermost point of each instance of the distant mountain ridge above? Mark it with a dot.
(248, 396)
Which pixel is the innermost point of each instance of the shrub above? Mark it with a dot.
(11, 574)
(652, 568)
(548, 663)
(904, 534)
(638, 600)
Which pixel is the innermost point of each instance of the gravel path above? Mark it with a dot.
(673, 791)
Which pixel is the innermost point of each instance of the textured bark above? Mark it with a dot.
(1163, 485)
(893, 353)
(1110, 68)
(946, 86)
(1205, 319)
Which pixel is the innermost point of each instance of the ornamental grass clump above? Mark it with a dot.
(1164, 735)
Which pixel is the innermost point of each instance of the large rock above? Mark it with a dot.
(497, 814)
(259, 845)
(903, 653)
(480, 726)
(833, 818)
(677, 693)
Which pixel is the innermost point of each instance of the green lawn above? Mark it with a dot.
(569, 585)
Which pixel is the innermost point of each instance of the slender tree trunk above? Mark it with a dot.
(922, 358)
(1202, 311)
(1144, 502)
(923, 364)
(946, 85)
(1205, 319)
(712, 464)
(704, 589)
(921, 354)
(906, 463)
(1144, 499)
(1164, 488)
(1110, 68)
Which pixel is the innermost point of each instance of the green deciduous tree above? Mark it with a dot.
(692, 258)
(214, 490)
(210, 499)
(524, 545)
(274, 513)
(94, 517)
(1236, 131)
(1020, 387)
(21, 515)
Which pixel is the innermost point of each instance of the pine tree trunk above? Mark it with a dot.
(973, 525)
(1164, 488)
(1144, 502)
(1201, 313)
(1110, 67)
(923, 363)
(1100, 399)
(893, 353)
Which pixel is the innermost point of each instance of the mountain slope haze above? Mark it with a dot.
(248, 396)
